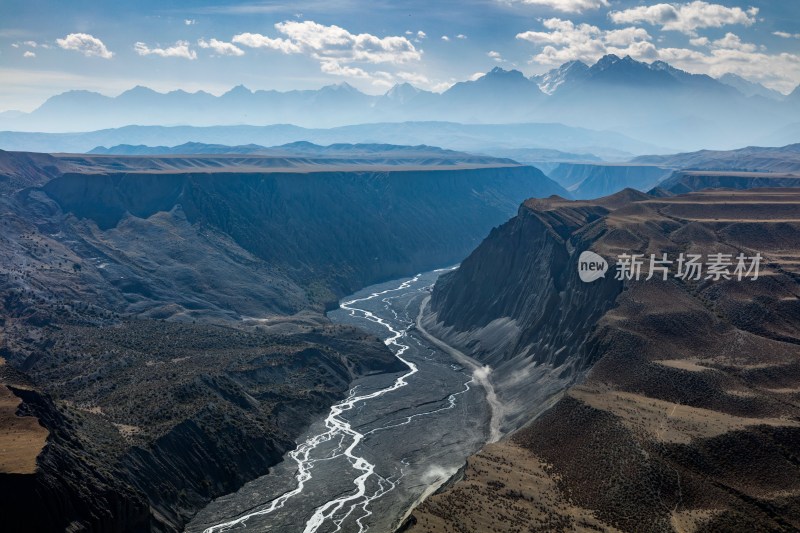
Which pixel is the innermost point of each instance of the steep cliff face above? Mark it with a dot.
(171, 321)
(687, 418)
(518, 305)
(327, 232)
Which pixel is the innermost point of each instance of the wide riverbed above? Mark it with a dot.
(395, 439)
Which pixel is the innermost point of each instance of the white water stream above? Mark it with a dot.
(361, 435)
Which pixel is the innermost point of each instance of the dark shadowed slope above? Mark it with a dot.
(335, 231)
(168, 323)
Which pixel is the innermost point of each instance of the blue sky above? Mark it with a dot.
(49, 46)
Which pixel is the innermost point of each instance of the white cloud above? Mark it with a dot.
(340, 52)
(86, 44)
(786, 35)
(686, 18)
(333, 43)
(378, 78)
(180, 49)
(336, 42)
(445, 38)
(566, 6)
(567, 41)
(496, 56)
(334, 67)
(476, 76)
(776, 71)
(189, 22)
(256, 40)
(461, 36)
(730, 55)
(733, 42)
(32, 44)
(220, 47)
(29, 54)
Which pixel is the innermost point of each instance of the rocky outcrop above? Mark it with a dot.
(156, 419)
(518, 305)
(69, 488)
(687, 418)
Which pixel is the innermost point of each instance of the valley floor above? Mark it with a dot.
(393, 440)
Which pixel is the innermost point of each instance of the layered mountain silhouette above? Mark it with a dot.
(748, 88)
(655, 102)
(507, 140)
(744, 168)
(750, 158)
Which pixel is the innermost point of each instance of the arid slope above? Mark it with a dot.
(689, 417)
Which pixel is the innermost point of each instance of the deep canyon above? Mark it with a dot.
(179, 350)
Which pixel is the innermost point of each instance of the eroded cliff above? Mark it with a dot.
(688, 417)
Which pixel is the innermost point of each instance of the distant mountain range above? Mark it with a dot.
(654, 102)
(294, 148)
(525, 142)
(541, 156)
(748, 88)
(750, 159)
(748, 167)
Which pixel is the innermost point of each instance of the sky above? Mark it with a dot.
(51, 46)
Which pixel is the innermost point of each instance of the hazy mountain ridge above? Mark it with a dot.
(749, 88)
(594, 181)
(596, 96)
(626, 72)
(680, 173)
(686, 181)
(658, 102)
(342, 151)
(748, 159)
(473, 138)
